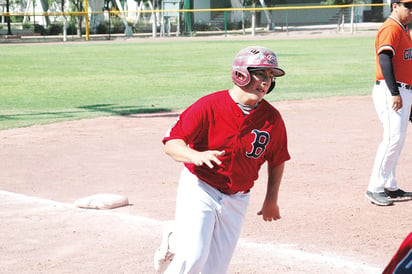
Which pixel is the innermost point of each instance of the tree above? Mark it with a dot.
(341, 17)
(45, 7)
(78, 5)
(253, 4)
(246, 3)
(8, 17)
(339, 2)
(96, 18)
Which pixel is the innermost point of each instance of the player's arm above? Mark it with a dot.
(385, 61)
(181, 152)
(270, 209)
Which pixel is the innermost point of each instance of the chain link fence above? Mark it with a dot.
(110, 19)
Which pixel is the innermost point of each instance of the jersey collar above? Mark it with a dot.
(400, 24)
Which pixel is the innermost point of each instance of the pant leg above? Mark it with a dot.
(394, 134)
(194, 223)
(227, 231)
(208, 225)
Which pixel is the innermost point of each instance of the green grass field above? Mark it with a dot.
(45, 83)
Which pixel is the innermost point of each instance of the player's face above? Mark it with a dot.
(260, 83)
(404, 12)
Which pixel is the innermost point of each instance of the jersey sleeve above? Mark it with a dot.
(188, 125)
(279, 149)
(388, 39)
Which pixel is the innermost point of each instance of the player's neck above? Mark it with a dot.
(240, 97)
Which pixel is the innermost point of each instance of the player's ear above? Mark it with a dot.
(241, 76)
(272, 86)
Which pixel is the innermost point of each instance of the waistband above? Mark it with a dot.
(189, 175)
(231, 193)
(399, 84)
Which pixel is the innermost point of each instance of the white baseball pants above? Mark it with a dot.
(208, 225)
(395, 125)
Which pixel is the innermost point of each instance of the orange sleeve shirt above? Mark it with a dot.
(395, 37)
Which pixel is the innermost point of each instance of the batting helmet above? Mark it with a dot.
(252, 58)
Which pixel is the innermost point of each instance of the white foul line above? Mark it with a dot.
(292, 254)
(280, 250)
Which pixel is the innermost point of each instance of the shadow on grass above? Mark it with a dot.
(41, 115)
(122, 110)
(110, 109)
(30, 118)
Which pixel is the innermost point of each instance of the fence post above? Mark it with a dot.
(188, 16)
(109, 10)
(225, 23)
(154, 16)
(352, 14)
(86, 9)
(253, 21)
(287, 22)
(34, 15)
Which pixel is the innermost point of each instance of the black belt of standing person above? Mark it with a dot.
(399, 84)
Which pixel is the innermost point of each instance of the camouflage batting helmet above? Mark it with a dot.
(252, 58)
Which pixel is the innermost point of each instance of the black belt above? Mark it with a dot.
(401, 85)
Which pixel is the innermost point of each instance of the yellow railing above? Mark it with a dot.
(83, 13)
(86, 12)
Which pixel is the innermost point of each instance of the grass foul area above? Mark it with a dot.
(47, 83)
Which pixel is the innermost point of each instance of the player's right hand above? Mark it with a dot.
(208, 157)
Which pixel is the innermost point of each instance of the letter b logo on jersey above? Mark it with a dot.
(259, 144)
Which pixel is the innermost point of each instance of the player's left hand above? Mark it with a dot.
(396, 102)
(270, 211)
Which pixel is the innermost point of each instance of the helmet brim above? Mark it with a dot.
(277, 71)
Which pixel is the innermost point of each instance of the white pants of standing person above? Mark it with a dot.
(207, 227)
(395, 125)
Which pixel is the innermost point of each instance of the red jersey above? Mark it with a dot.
(215, 122)
(401, 263)
(394, 36)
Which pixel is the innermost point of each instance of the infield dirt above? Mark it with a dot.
(327, 224)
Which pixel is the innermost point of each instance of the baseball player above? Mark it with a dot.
(401, 263)
(223, 139)
(392, 97)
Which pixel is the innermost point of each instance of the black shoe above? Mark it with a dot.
(398, 194)
(379, 198)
